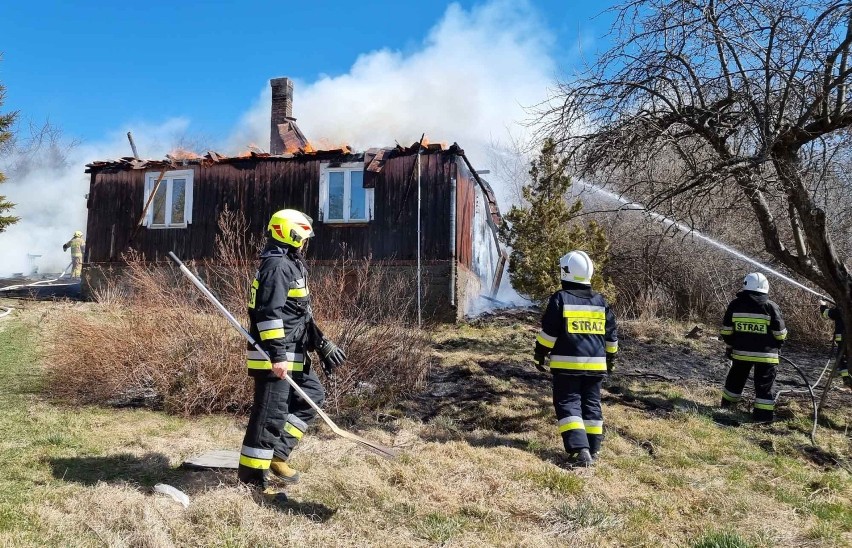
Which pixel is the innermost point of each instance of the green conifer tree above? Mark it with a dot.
(6, 120)
(544, 229)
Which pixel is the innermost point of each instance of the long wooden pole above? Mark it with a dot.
(378, 448)
(147, 205)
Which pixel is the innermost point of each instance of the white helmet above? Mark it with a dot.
(577, 267)
(756, 282)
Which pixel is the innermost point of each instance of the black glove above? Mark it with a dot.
(538, 361)
(729, 353)
(330, 355)
(610, 363)
(64, 247)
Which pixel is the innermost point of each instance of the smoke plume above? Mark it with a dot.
(470, 82)
(46, 181)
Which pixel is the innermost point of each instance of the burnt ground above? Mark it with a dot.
(466, 392)
(41, 287)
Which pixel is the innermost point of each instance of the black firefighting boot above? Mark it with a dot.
(281, 470)
(847, 380)
(762, 415)
(581, 459)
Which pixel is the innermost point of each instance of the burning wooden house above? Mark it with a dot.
(363, 203)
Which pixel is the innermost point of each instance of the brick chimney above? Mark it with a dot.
(282, 111)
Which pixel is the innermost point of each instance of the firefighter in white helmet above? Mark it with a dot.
(77, 245)
(754, 332)
(579, 333)
(280, 317)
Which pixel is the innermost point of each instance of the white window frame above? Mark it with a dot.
(151, 181)
(369, 196)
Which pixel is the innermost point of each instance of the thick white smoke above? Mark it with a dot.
(46, 181)
(471, 82)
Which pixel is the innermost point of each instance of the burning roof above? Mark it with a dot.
(300, 148)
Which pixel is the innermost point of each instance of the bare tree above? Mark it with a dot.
(747, 100)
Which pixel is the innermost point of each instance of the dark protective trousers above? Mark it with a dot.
(843, 367)
(764, 388)
(577, 400)
(279, 419)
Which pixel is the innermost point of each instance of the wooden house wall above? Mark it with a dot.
(465, 206)
(257, 188)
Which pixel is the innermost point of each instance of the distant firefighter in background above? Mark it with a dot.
(754, 331)
(77, 245)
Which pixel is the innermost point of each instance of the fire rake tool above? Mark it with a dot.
(375, 447)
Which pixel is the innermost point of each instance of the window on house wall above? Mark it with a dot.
(343, 198)
(171, 205)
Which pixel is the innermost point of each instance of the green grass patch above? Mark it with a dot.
(584, 513)
(440, 528)
(833, 512)
(721, 539)
(556, 480)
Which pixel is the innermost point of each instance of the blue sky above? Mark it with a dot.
(91, 66)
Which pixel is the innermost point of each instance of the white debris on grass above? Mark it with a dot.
(173, 492)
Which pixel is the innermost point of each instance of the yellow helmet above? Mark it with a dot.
(290, 227)
(78, 234)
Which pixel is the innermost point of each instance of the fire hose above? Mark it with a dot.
(836, 357)
(39, 283)
(377, 448)
(810, 391)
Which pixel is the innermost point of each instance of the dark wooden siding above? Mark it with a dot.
(258, 187)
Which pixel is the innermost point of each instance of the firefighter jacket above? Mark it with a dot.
(753, 328)
(834, 314)
(279, 310)
(77, 246)
(578, 330)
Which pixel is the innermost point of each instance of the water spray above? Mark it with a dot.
(667, 223)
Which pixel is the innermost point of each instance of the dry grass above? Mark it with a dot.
(484, 470)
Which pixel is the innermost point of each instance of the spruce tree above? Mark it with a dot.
(6, 120)
(544, 228)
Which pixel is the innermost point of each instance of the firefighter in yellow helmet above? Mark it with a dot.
(77, 245)
(279, 309)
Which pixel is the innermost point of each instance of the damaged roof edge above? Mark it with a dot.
(496, 217)
(129, 162)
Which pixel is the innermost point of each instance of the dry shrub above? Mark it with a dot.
(155, 345)
(154, 340)
(670, 277)
(368, 308)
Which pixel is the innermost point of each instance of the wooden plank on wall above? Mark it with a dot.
(260, 187)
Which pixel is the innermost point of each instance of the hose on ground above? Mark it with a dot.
(5, 311)
(36, 284)
(811, 392)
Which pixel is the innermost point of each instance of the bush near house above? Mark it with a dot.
(153, 340)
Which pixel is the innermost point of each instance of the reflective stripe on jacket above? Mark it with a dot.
(753, 328)
(279, 309)
(578, 329)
